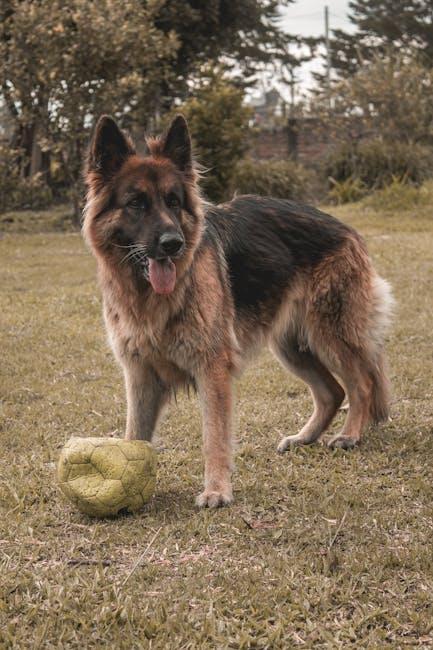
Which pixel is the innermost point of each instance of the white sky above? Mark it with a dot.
(307, 18)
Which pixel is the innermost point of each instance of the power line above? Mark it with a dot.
(328, 52)
(337, 15)
(345, 19)
(316, 13)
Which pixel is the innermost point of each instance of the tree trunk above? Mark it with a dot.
(76, 206)
(71, 161)
(46, 167)
(40, 163)
(27, 140)
(36, 159)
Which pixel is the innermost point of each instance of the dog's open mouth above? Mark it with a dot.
(161, 273)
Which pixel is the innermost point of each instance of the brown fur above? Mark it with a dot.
(327, 323)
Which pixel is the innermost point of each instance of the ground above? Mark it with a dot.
(321, 548)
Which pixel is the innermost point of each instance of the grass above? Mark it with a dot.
(57, 219)
(320, 549)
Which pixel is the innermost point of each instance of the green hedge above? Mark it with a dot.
(283, 179)
(17, 192)
(375, 164)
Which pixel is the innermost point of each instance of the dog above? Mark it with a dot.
(192, 291)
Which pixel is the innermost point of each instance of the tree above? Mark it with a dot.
(219, 123)
(383, 25)
(62, 64)
(380, 123)
(243, 34)
(389, 98)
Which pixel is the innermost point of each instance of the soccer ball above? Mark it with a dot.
(103, 476)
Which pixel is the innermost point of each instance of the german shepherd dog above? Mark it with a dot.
(191, 291)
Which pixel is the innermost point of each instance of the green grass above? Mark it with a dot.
(320, 549)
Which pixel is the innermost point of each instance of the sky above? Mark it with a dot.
(307, 18)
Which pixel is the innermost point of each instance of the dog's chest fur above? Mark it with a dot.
(174, 335)
(155, 337)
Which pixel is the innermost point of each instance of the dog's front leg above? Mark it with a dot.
(146, 397)
(215, 391)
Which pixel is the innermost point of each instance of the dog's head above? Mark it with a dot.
(143, 212)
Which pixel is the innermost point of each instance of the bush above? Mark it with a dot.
(375, 164)
(219, 124)
(400, 195)
(17, 192)
(347, 191)
(282, 179)
(389, 97)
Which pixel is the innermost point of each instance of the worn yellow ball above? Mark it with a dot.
(103, 476)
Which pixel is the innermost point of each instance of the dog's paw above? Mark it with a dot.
(289, 442)
(343, 442)
(214, 499)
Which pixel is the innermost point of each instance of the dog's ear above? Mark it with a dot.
(177, 144)
(109, 148)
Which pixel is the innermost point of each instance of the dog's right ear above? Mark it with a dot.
(109, 148)
(177, 144)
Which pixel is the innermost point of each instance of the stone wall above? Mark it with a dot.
(299, 140)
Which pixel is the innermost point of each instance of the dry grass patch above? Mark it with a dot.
(321, 548)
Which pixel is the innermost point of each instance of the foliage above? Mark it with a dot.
(388, 98)
(381, 120)
(245, 34)
(381, 25)
(400, 195)
(9, 177)
(61, 64)
(219, 124)
(347, 190)
(283, 179)
(374, 164)
(19, 192)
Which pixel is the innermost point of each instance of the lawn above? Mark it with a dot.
(320, 549)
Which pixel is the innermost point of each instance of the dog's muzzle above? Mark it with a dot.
(170, 245)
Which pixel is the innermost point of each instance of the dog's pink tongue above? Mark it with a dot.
(162, 275)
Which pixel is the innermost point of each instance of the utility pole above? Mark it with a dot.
(328, 54)
(292, 92)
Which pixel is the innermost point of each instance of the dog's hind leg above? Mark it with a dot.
(355, 371)
(326, 391)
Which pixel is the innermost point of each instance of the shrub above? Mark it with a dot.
(8, 176)
(346, 191)
(400, 195)
(32, 193)
(219, 124)
(17, 192)
(283, 179)
(390, 95)
(375, 164)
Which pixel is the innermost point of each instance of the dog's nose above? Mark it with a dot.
(171, 243)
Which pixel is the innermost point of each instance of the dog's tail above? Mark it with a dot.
(380, 395)
(383, 305)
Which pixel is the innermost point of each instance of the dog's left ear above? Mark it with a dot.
(177, 144)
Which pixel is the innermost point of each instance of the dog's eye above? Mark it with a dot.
(172, 201)
(139, 202)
